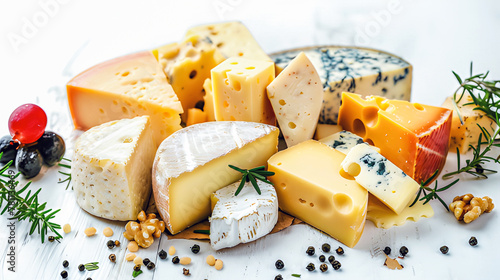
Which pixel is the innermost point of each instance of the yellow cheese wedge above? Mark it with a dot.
(208, 98)
(239, 89)
(464, 135)
(413, 136)
(312, 187)
(187, 65)
(125, 87)
(195, 116)
(383, 217)
(324, 130)
(192, 164)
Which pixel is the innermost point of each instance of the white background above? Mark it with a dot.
(45, 43)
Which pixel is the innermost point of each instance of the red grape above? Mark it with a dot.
(27, 123)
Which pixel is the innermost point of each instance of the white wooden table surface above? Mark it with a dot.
(45, 43)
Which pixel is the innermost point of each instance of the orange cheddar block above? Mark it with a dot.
(125, 87)
(415, 137)
(195, 116)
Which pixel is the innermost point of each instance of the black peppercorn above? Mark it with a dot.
(336, 265)
(322, 258)
(473, 241)
(162, 254)
(403, 251)
(326, 247)
(310, 267)
(151, 265)
(88, 278)
(310, 250)
(331, 258)
(175, 259)
(278, 277)
(444, 249)
(51, 238)
(279, 264)
(112, 257)
(110, 244)
(195, 249)
(387, 250)
(340, 250)
(323, 267)
(64, 274)
(65, 263)
(137, 267)
(81, 267)
(146, 261)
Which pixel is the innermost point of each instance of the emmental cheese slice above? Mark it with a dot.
(380, 177)
(111, 168)
(464, 135)
(192, 164)
(311, 186)
(125, 87)
(242, 218)
(413, 136)
(187, 64)
(239, 89)
(296, 96)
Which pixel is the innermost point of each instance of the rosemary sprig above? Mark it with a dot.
(432, 193)
(67, 174)
(251, 175)
(91, 266)
(27, 207)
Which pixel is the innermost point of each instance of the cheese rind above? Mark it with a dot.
(187, 64)
(192, 164)
(311, 186)
(344, 141)
(380, 177)
(242, 218)
(125, 87)
(464, 135)
(239, 89)
(360, 70)
(296, 96)
(111, 168)
(413, 136)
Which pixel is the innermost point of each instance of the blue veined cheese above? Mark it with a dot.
(380, 177)
(357, 70)
(242, 218)
(344, 141)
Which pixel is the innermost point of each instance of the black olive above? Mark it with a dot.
(9, 149)
(444, 249)
(65, 263)
(175, 259)
(51, 238)
(64, 274)
(146, 261)
(403, 251)
(29, 161)
(310, 267)
(81, 267)
(310, 250)
(473, 241)
(336, 265)
(387, 250)
(162, 254)
(51, 147)
(323, 267)
(195, 249)
(111, 244)
(150, 265)
(279, 264)
(278, 277)
(331, 259)
(322, 258)
(326, 247)
(340, 251)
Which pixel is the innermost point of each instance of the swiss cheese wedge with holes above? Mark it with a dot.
(413, 136)
(125, 87)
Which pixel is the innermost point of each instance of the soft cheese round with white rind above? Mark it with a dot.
(242, 218)
(192, 163)
(352, 69)
(111, 168)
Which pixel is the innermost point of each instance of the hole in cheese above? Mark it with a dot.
(192, 74)
(250, 68)
(292, 125)
(354, 169)
(369, 141)
(370, 116)
(342, 203)
(225, 104)
(302, 201)
(418, 106)
(125, 74)
(359, 128)
(382, 104)
(345, 175)
(234, 62)
(236, 85)
(311, 204)
(282, 102)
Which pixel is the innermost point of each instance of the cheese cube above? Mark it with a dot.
(239, 88)
(187, 65)
(195, 116)
(380, 177)
(111, 168)
(312, 187)
(242, 218)
(413, 136)
(296, 96)
(192, 164)
(125, 87)
(464, 135)
(344, 141)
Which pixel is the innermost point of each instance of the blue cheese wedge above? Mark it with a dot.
(380, 177)
(112, 167)
(296, 96)
(243, 218)
(357, 70)
(344, 141)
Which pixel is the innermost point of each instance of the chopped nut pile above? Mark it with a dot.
(467, 208)
(144, 231)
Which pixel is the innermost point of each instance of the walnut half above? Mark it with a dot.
(467, 208)
(144, 231)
